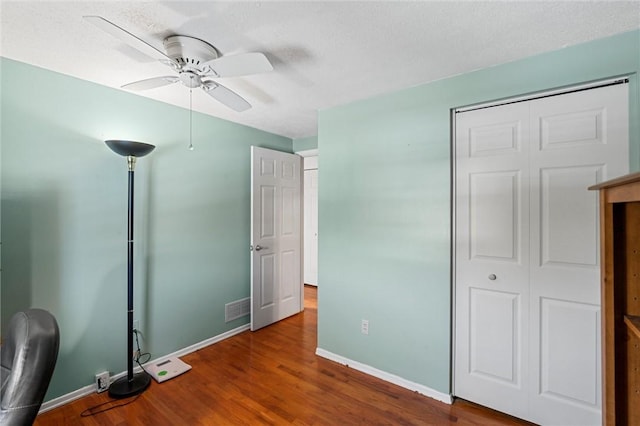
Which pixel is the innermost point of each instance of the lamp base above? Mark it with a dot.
(123, 388)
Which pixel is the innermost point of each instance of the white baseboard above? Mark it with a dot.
(388, 377)
(89, 389)
(204, 343)
(65, 399)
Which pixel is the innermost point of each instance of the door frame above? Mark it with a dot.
(306, 153)
(481, 105)
(313, 167)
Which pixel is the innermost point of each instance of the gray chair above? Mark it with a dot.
(27, 359)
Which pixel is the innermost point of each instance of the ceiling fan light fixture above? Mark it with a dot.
(190, 79)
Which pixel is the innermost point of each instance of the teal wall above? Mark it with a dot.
(303, 144)
(64, 205)
(385, 205)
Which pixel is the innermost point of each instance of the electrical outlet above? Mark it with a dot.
(136, 325)
(102, 381)
(364, 326)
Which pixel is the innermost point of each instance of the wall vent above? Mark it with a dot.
(237, 309)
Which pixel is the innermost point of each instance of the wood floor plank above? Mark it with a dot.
(273, 377)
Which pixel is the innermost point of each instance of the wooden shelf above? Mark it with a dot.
(633, 322)
(620, 238)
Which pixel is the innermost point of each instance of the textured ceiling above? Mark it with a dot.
(325, 53)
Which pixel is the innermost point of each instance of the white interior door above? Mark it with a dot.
(276, 236)
(522, 173)
(311, 226)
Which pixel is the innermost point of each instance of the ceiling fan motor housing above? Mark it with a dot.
(189, 52)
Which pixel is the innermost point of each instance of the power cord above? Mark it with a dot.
(138, 355)
(97, 409)
(110, 405)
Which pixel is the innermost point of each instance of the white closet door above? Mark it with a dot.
(492, 257)
(578, 140)
(522, 173)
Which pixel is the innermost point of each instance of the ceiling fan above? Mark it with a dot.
(197, 64)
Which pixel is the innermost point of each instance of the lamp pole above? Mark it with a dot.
(132, 384)
(131, 161)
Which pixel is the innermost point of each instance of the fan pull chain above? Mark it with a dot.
(191, 116)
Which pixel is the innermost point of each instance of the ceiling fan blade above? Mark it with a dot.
(151, 83)
(128, 38)
(237, 65)
(226, 96)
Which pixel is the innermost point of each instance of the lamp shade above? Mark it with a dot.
(130, 148)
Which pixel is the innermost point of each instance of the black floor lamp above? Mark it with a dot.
(132, 384)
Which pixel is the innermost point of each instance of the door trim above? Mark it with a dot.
(545, 94)
(308, 153)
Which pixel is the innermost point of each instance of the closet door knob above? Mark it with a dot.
(492, 277)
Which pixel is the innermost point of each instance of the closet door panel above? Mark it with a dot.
(492, 222)
(578, 140)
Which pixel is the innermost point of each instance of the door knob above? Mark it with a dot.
(492, 277)
(259, 247)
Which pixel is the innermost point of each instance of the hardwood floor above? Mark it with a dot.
(273, 377)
